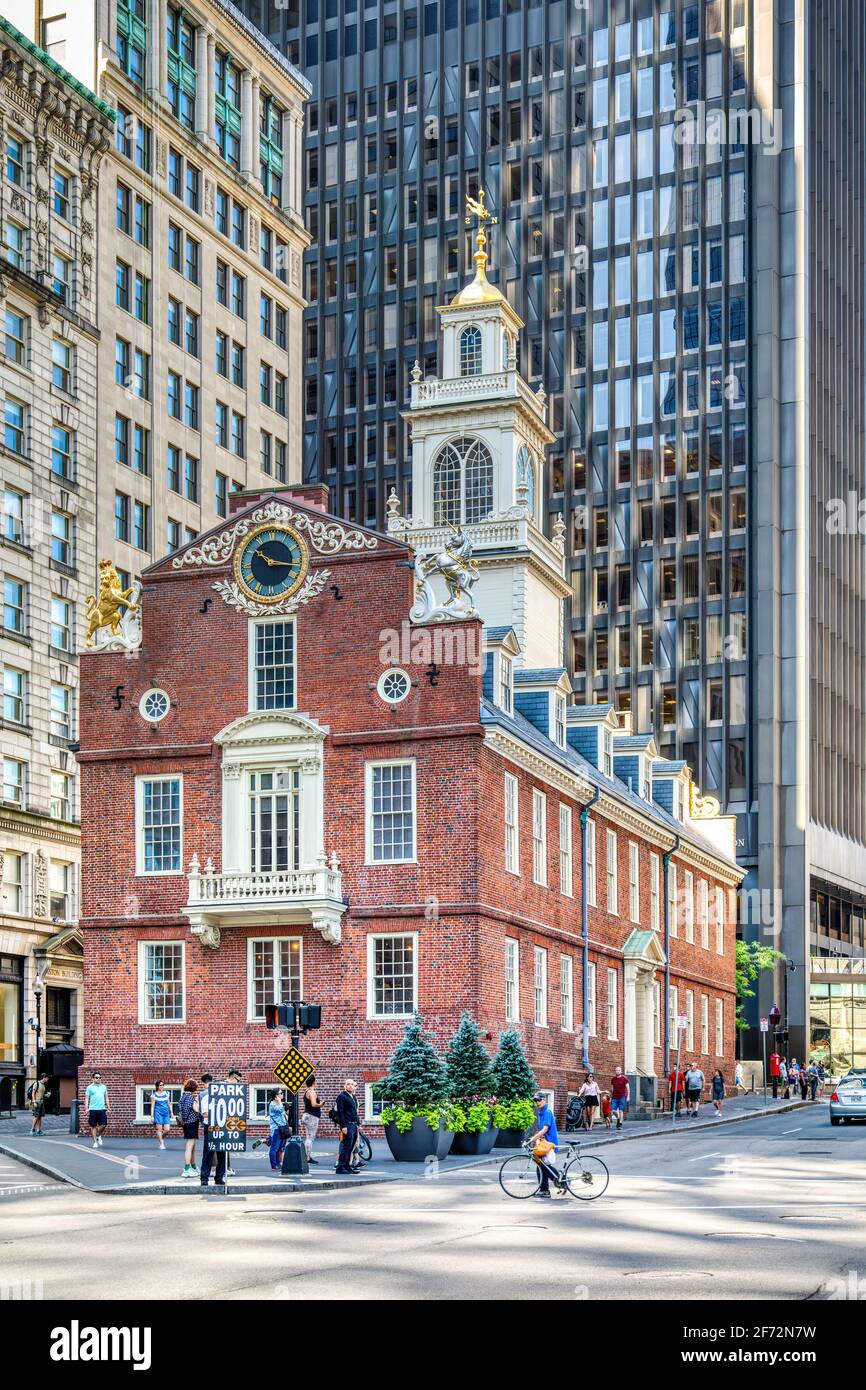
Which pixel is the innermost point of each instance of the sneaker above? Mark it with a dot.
(312, 1160)
(541, 1194)
(162, 1146)
(96, 1143)
(99, 1141)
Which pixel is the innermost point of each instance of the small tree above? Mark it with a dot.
(416, 1080)
(751, 958)
(512, 1075)
(467, 1064)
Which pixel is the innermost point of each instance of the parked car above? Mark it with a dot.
(848, 1098)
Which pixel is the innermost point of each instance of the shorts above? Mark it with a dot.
(590, 1102)
(190, 1131)
(693, 1095)
(97, 1117)
(618, 1103)
(38, 1110)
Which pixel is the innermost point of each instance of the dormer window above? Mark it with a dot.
(462, 482)
(559, 720)
(506, 682)
(470, 351)
(607, 752)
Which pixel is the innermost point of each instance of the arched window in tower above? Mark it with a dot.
(470, 351)
(462, 482)
(525, 477)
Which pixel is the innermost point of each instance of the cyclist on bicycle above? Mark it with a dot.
(545, 1134)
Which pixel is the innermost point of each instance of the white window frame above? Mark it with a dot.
(140, 870)
(512, 956)
(690, 1015)
(254, 625)
(368, 810)
(505, 684)
(142, 983)
(258, 1095)
(539, 986)
(634, 880)
(566, 855)
(372, 938)
(16, 885)
(689, 905)
(566, 993)
(720, 921)
(512, 824)
(673, 916)
(673, 1015)
(592, 1012)
(655, 895)
(720, 1027)
(657, 1013)
(559, 716)
(612, 1003)
(252, 1017)
(591, 865)
(539, 837)
(611, 873)
(371, 1115)
(705, 1025)
(142, 1111)
(704, 912)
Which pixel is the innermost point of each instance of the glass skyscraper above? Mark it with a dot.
(679, 190)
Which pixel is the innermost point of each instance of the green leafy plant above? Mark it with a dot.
(751, 958)
(512, 1075)
(514, 1114)
(478, 1117)
(403, 1118)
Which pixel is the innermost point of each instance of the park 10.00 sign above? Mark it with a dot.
(227, 1116)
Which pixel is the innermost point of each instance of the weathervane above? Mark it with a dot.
(475, 209)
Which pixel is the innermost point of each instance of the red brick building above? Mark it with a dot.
(289, 792)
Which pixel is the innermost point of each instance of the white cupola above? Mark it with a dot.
(479, 439)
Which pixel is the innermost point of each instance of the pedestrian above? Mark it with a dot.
(189, 1122)
(694, 1086)
(813, 1080)
(208, 1154)
(739, 1083)
(677, 1085)
(605, 1109)
(619, 1095)
(96, 1101)
(591, 1096)
(822, 1078)
(348, 1121)
(160, 1112)
(37, 1095)
(794, 1077)
(783, 1078)
(236, 1077)
(718, 1092)
(546, 1140)
(804, 1081)
(279, 1129)
(311, 1116)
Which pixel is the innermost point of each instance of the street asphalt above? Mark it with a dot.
(771, 1207)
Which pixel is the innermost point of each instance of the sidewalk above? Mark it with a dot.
(136, 1164)
(736, 1108)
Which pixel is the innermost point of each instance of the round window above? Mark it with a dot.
(154, 705)
(394, 686)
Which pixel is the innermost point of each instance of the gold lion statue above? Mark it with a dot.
(106, 609)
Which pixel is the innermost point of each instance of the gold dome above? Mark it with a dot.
(479, 290)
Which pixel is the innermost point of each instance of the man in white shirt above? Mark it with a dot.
(207, 1153)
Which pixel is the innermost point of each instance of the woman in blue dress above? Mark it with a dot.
(160, 1112)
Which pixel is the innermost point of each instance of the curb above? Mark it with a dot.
(690, 1129)
(41, 1167)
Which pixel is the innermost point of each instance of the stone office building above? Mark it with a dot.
(53, 134)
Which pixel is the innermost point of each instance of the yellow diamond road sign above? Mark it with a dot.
(293, 1070)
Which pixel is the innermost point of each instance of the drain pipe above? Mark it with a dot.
(666, 861)
(584, 921)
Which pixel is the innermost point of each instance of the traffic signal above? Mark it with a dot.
(310, 1015)
(280, 1015)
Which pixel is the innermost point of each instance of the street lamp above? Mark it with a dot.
(38, 990)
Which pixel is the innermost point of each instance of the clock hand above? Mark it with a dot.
(268, 561)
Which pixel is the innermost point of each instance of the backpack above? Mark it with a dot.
(334, 1116)
(30, 1089)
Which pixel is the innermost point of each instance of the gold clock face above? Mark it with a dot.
(271, 563)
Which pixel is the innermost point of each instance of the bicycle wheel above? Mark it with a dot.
(587, 1177)
(519, 1176)
(364, 1148)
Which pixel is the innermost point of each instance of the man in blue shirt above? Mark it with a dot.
(546, 1130)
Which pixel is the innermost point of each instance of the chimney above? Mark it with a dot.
(312, 495)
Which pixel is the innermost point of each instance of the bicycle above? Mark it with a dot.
(583, 1176)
